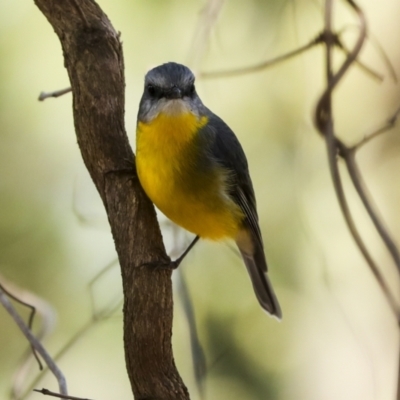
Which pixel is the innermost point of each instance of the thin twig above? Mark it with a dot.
(47, 320)
(34, 342)
(48, 392)
(97, 316)
(380, 50)
(368, 70)
(198, 356)
(386, 60)
(335, 78)
(30, 320)
(390, 123)
(258, 67)
(321, 38)
(349, 156)
(45, 95)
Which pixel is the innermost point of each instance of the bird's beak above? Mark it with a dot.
(174, 93)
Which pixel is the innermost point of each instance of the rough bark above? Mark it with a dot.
(94, 60)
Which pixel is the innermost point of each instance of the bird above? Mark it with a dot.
(193, 168)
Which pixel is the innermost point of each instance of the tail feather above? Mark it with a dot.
(257, 267)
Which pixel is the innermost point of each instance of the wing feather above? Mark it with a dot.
(227, 151)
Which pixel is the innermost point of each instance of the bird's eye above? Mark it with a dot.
(151, 90)
(192, 89)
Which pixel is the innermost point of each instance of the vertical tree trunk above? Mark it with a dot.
(94, 60)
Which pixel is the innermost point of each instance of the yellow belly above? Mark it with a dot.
(193, 200)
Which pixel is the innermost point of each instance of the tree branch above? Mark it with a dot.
(34, 342)
(324, 123)
(47, 392)
(94, 61)
(57, 93)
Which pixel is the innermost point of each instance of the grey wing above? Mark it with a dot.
(227, 151)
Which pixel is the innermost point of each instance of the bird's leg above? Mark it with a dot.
(175, 264)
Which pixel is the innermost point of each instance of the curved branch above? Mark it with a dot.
(349, 156)
(94, 61)
(324, 124)
(35, 343)
(265, 64)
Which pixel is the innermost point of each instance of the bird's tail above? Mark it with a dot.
(257, 269)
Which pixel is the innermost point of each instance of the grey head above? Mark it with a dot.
(170, 89)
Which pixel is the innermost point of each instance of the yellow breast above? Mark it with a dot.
(166, 166)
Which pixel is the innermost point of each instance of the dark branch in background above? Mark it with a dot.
(34, 342)
(349, 154)
(97, 317)
(320, 39)
(94, 61)
(38, 308)
(378, 47)
(198, 356)
(324, 123)
(263, 65)
(390, 123)
(30, 320)
(47, 392)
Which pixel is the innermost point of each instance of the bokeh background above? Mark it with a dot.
(338, 338)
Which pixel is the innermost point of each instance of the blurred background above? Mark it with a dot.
(338, 338)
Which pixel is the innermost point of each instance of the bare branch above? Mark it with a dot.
(71, 342)
(258, 67)
(39, 307)
(386, 60)
(361, 65)
(390, 123)
(378, 47)
(358, 182)
(324, 123)
(30, 321)
(323, 112)
(321, 38)
(48, 392)
(34, 342)
(348, 154)
(45, 95)
(198, 356)
(323, 109)
(97, 317)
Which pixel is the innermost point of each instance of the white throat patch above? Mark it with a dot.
(174, 107)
